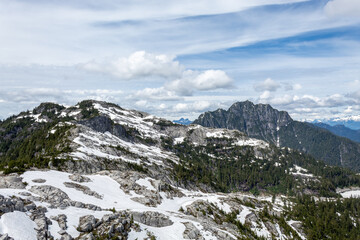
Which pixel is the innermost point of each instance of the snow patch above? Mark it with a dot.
(9, 223)
(146, 183)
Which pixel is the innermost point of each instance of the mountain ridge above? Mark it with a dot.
(341, 131)
(183, 121)
(352, 122)
(264, 122)
(96, 170)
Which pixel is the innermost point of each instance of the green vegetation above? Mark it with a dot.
(137, 167)
(228, 168)
(329, 219)
(321, 144)
(87, 109)
(26, 144)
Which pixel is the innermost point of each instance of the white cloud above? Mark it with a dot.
(162, 106)
(212, 79)
(267, 85)
(270, 85)
(265, 95)
(68, 33)
(306, 101)
(38, 95)
(343, 8)
(348, 110)
(297, 86)
(141, 103)
(201, 81)
(198, 106)
(139, 64)
(155, 94)
(145, 65)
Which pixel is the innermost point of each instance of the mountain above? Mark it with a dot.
(183, 121)
(98, 171)
(342, 131)
(352, 122)
(261, 121)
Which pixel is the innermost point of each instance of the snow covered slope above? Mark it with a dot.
(174, 214)
(98, 171)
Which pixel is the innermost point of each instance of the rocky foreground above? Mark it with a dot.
(128, 205)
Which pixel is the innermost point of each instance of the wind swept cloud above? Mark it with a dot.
(343, 8)
(71, 32)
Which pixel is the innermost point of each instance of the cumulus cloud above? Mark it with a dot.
(201, 81)
(191, 81)
(180, 81)
(212, 79)
(343, 8)
(138, 65)
(267, 85)
(198, 106)
(160, 93)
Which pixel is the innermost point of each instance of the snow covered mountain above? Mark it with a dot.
(98, 171)
(352, 122)
(262, 121)
(183, 121)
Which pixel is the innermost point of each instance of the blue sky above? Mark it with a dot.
(181, 58)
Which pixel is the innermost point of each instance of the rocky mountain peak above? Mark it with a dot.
(264, 122)
(257, 120)
(48, 107)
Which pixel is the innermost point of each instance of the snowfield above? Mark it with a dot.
(114, 197)
(18, 225)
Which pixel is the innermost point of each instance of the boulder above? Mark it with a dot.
(86, 223)
(153, 219)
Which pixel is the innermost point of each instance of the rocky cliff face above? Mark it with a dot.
(263, 122)
(260, 121)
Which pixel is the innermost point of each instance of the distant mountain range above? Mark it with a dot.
(352, 122)
(183, 121)
(264, 122)
(342, 131)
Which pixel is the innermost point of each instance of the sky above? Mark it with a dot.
(181, 58)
